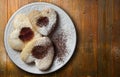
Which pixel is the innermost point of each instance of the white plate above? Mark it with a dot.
(65, 25)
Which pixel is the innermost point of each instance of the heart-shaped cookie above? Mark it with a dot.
(23, 32)
(40, 51)
(43, 21)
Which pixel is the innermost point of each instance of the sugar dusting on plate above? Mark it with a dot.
(59, 41)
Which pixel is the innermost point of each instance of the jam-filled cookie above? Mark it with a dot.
(22, 33)
(18, 38)
(40, 51)
(43, 21)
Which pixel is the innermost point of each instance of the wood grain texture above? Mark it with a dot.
(98, 37)
(3, 21)
(104, 38)
(116, 38)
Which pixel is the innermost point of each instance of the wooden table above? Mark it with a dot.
(98, 30)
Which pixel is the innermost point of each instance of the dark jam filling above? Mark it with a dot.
(42, 21)
(26, 34)
(39, 52)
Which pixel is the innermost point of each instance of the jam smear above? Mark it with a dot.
(39, 51)
(26, 34)
(42, 21)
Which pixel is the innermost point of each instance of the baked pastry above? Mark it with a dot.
(22, 33)
(14, 40)
(40, 51)
(18, 38)
(21, 20)
(26, 37)
(43, 21)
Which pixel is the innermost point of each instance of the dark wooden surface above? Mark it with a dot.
(98, 44)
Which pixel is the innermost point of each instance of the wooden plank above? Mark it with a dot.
(3, 20)
(12, 7)
(108, 32)
(104, 38)
(116, 38)
(87, 41)
(101, 21)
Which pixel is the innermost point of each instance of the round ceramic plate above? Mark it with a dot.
(65, 27)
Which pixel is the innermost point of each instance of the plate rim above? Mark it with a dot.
(34, 3)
